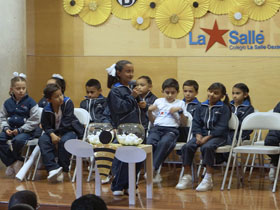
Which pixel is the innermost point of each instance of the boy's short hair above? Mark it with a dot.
(89, 202)
(50, 89)
(191, 83)
(93, 83)
(170, 83)
(23, 197)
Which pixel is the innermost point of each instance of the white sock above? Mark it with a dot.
(208, 176)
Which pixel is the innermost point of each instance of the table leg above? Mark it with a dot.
(97, 181)
(149, 171)
(131, 183)
(79, 181)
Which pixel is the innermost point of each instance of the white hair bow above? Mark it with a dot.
(112, 70)
(16, 74)
(58, 76)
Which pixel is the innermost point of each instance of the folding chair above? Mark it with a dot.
(84, 118)
(257, 120)
(233, 125)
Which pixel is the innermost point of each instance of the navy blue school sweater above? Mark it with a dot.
(192, 106)
(149, 99)
(69, 121)
(122, 105)
(212, 121)
(241, 112)
(96, 108)
(22, 115)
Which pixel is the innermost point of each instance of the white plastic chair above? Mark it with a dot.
(84, 118)
(131, 155)
(29, 157)
(257, 120)
(80, 149)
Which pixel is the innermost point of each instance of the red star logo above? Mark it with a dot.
(216, 35)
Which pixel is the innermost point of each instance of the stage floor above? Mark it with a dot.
(255, 195)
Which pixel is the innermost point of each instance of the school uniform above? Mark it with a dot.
(207, 121)
(96, 108)
(43, 102)
(124, 109)
(149, 99)
(241, 111)
(273, 139)
(22, 115)
(184, 131)
(163, 135)
(67, 126)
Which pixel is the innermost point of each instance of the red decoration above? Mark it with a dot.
(216, 35)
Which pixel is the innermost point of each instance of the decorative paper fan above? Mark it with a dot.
(220, 7)
(199, 7)
(149, 6)
(175, 18)
(141, 21)
(239, 15)
(96, 12)
(104, 155)
(73, 7)
(124, 11)
(261, 9)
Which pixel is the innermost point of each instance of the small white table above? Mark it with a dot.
(132, 176)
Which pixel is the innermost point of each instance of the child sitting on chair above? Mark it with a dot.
(60, 125)
(95, 103)
(19, 119)
(167, 114)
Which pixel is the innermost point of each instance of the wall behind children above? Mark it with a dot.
(64, 44)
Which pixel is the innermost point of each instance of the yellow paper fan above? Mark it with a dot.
(174, 18)
(96, 12)
(239, 16)
(199, 7)
(220, 7)
(149, 6)
(124, 11)
(261, 9)
(73, 7)
(141, 21)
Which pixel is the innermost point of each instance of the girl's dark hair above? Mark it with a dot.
(119, 67)
(148, 79)
(16, 79)
(61, 83)
(244, 88)
(220, 86)
(50, 89)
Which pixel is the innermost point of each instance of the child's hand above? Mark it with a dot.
(142, 104)
(9, 132)
(135, 92)
(55, 138)
(152, 108)
(174, 110)
(15, 132)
